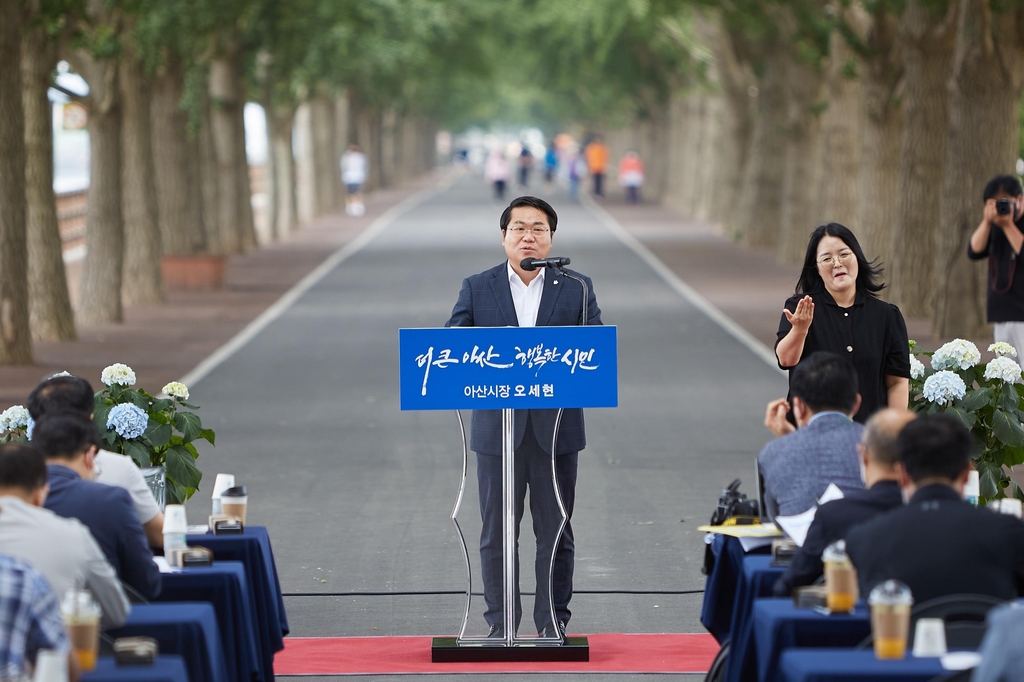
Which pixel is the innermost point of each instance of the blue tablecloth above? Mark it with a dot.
(164, 669)
(253, 549)
(778, 625)
(846, 665)
(756, 580)
(225, 586)
(721, 584)
(188, 629)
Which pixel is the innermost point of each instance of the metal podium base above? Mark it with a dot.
(447, 650)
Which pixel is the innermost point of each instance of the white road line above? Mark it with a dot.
(282, 304)
(681, 287)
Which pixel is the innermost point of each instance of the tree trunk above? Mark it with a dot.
(204, 160)
(375, 151)
(50, 314)
(179, 204)
(881, 73)
(225, 107)
(321, 110)
(841, 139)
(985, 93)
(247, 224)
(341, 116)
(142, 242)
(100, 291)
(305, 170)
(284, 170)
(928, 41)
(15, 335)
(802, 163)
(761, 196)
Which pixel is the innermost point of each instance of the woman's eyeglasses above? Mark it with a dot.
(844, 257)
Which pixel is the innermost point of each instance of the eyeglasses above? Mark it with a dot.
(520, 230)
(844, 258)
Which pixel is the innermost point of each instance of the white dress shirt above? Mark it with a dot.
(120, 471)
(65, 552)
(526, 297)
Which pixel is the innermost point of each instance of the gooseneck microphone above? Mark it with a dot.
(534, 263)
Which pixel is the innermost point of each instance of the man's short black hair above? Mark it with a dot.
(61, 394)
(1002, 183)
(825, 381)
(22, 466)
(536, 203)
(65, 435)
(934, 446)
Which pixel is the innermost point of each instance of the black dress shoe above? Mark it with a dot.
(549, 631)
(496, 631)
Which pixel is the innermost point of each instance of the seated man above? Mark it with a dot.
(69, 442)
(61, 549)
(29, 621)
(937, 543)
(797, 467)
(65, 393)
(878, 458)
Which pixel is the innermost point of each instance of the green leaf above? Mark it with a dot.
(989, 477)
(189, 405)
(159, 417)
(162, 404)
(208, 435)
(977, 399)
(192, 450)
(159, 435)
(1009, 400)
(967, 418)
(99, 417)
(140, 401)
(182, 467)
(190, 426)
(176, 494)
(138, 452)
(1007, 429)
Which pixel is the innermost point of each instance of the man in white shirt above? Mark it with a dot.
(61, 549)
(67, 393)
(353, 175)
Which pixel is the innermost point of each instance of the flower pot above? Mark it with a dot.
(156, 479)
(198, 272)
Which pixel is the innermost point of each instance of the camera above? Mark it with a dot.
(1004, 206)
(732, 504)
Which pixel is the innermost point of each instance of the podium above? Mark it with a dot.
(508, 369)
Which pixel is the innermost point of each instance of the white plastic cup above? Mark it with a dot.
(930, 638)
(972, 489)
(174, 519)
(51, 666)
(235, 502)
(222, 483)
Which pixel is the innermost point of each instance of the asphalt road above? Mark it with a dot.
(356, 493)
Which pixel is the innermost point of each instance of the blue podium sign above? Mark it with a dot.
(493, 368)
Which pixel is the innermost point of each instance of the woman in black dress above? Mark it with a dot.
(836, 308)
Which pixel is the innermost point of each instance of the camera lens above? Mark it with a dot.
(1003, 207)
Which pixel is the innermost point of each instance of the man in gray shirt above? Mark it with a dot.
(797, 467)
(61, 549)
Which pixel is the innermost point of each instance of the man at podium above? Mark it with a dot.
(508, 295)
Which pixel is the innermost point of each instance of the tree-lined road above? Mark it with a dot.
(356, 493)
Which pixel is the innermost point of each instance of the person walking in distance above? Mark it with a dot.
(597, 163)
(497, 172)
(631, 176)
(353, 175)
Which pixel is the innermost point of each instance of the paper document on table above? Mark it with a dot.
(796, 526)
(161, 563)
(749, 544)
(832, 492)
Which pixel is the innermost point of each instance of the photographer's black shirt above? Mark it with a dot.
(1005, 276)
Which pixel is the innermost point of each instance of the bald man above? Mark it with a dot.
(878, 459)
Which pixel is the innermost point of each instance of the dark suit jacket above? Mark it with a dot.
(938, 545)
(832, 521)
(109, 515)
(486, 301)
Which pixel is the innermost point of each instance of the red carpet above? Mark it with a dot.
(609, 653)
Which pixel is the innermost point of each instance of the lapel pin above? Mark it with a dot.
(555, 282)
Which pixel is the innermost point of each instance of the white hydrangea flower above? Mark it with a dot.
(14, 417)
(944, 387)
(1004, 369)
(916, 368)
(30, 427)
(176, 389)
(1003, 349)
(119, 374)
(957, 354)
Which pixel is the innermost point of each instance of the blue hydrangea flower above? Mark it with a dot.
(14, 417)
(30, 427)
(128, 420)
(944, 387)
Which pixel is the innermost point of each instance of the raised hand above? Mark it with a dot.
(775, 417)
(802, 317)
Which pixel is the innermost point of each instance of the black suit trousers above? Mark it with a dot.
(533, 470)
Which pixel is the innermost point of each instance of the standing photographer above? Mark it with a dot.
(999, 237)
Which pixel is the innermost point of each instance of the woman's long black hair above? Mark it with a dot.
(869, 275)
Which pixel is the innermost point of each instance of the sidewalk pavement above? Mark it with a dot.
(162, 343)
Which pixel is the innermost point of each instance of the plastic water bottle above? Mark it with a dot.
(972, 489)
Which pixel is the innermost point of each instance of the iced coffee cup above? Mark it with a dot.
(233, 502)
(81, 615)
(840, 579)
(890, 618)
